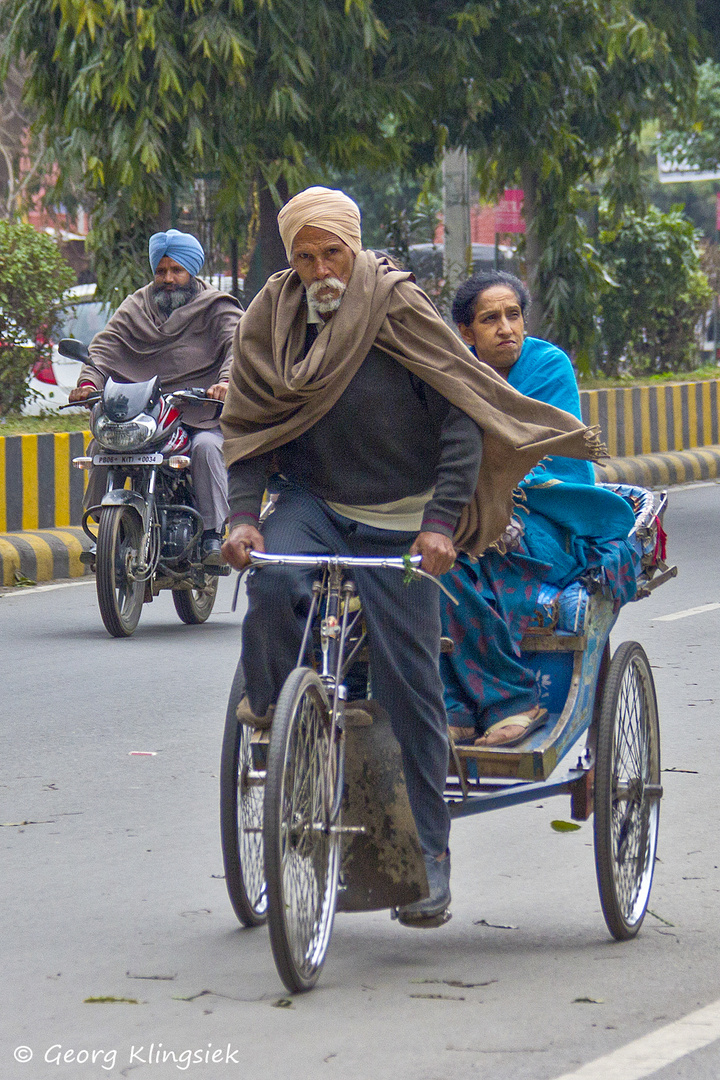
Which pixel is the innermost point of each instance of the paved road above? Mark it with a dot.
(113, 888)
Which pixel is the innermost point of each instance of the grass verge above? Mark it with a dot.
(14, 424)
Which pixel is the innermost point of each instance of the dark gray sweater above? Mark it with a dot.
(389, 435)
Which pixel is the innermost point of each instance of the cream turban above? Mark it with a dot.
(325, 209)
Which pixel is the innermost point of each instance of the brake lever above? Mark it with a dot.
(91, 399)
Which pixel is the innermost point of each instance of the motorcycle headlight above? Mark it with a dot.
(131, 435)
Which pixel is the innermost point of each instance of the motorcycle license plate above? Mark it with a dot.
(115, 460)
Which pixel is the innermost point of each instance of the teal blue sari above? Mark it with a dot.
(571, 530)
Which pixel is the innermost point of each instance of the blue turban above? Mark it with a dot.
(183, 247)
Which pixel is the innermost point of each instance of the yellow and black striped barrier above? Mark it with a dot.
(42, 555)
(41, 507)
(39, 488)
(654, 419)
(659, 471)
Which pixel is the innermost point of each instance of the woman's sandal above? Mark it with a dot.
(529, 721)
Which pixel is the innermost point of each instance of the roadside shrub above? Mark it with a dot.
(33, 279)
(648, 322)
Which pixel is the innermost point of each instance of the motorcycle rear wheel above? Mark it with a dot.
(195, 605)
(119, 544)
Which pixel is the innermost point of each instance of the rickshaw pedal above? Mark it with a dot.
(217, 571)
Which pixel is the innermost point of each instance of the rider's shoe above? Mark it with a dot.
(246, 716)
(211, 549)
(88, 557)
(432, 911)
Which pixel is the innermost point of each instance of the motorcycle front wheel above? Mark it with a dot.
(119, 544)
(195, 605)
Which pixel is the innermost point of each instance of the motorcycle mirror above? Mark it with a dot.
(73, 349)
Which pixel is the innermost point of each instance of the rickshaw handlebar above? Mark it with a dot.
(408, 563)
(340, 561)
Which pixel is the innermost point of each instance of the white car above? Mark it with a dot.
(52, 382)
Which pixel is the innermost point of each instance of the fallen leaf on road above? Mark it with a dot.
(283, 1003)
(659, 918)
(454, 982)
(214, 993)
(109, 1000)
(564, 826)
(15, 824)
(437, 997)
(588, 1001)
(162, 978)
(494, 925)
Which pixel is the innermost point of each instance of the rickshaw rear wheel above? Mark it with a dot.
(241, 815)
(302, 850)
(627, 790)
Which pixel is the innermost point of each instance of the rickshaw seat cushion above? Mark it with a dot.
(561, 609)
(565, 609)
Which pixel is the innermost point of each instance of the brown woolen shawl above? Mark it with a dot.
(191, 347)
(275, 395)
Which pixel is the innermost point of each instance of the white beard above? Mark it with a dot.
(330, 304)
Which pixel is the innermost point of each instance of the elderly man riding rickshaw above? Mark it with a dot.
(387, 436)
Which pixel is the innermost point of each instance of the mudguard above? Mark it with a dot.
(125, 497)
(383, 866)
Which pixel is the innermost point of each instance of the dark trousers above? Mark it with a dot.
(403, 625)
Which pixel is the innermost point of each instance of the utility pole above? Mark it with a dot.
(457, 250)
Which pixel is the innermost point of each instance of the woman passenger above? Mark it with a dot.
(565, 527)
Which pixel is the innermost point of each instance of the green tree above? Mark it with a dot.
(33, 278)
(269, 95)
(698, 140)
(551, 95)
(649, 320)
(149, 95)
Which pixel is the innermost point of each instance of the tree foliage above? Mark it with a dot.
(149, 94)
(697, 142)
(33, 278)
(267, 95)
(572, 82)
(649, 320)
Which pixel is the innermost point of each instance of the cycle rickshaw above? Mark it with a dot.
(314, 815)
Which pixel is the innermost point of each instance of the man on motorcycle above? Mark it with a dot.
(181, 329)
(388, 436)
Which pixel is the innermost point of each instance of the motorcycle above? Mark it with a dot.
(149, 533)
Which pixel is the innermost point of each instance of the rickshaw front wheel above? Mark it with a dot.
(300, 829)
(627, 790)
